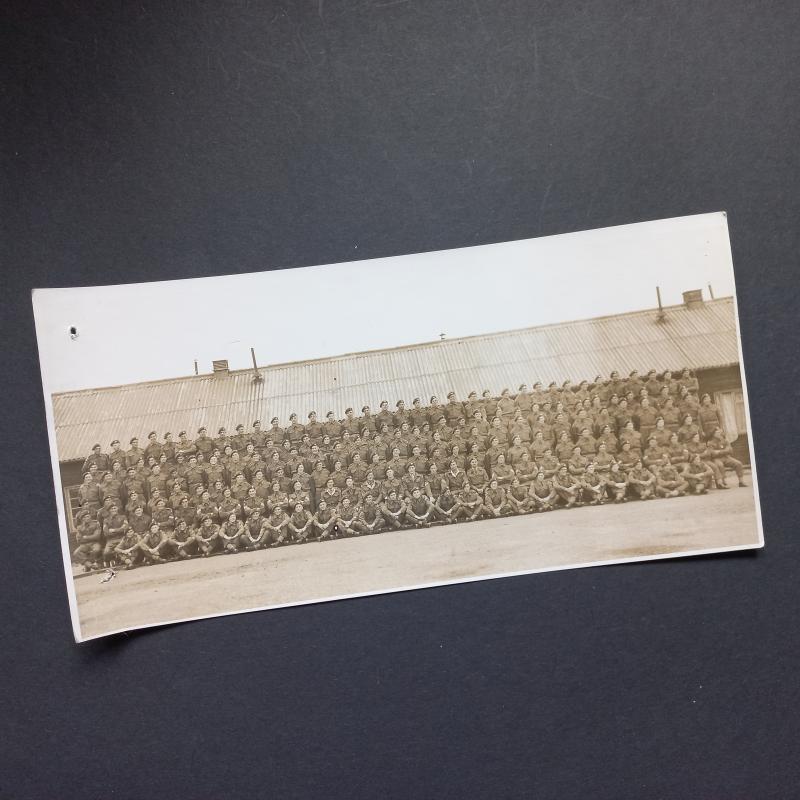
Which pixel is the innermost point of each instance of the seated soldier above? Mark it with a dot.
(567, 487)
(503, 472)
(698, 475)
(255, 532)
(126, 550)
(577, 463)
(419, 509)
(518, 497)
(346, 518)
(592, 486)
(542, 493)
(89, 538)
(495, 502)
(617, 484)
(642, 481)
(114, 529)
(370, 518)
(277, 524)
(325, 521)
(394, 509)
(230, 533)
(207, 538)
(183, 540)
(669, 481)
(697, 447)
(469, 505)
(300, 523)
(445, 506)
(722, 455)
(151, 545)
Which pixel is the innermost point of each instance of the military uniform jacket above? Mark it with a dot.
(495, 497)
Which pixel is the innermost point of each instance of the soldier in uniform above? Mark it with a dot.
(116, 526)
(503, 473)
(698, 475)
(222, 441)
(89, 492)
(592, 486)
(325, 521)
(126, 550)
(230, 533)
(419, 509)
(185, 447)
(99, 459)
(181, 540)
(90, 548)
(258, 437)
(331, 494)
(722, 455)
(669, 482)
(469, 503)
(708, 416)
(117, 454)
(453, 410)
(642, 481)
(495, 502)
(688, 429)
(394, 509)
(518, 497)
(346, 518)
(617, 484)
(567, 487)
(135, 454)
(370, 518)
(207, 537)
(254, 534)
(300, 524)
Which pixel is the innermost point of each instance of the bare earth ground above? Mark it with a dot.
(315, 571)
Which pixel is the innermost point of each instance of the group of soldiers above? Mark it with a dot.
(537, 450)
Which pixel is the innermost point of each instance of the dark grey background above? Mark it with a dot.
(146, 141)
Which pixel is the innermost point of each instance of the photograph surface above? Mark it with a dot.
(253, 441)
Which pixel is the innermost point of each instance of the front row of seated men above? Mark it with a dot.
(145, 538)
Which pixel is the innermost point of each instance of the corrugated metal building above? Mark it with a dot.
(699, 335)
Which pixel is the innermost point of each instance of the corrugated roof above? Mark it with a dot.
(697, 338)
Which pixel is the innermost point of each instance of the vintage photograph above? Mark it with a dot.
(262, 440)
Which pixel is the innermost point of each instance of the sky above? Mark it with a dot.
(311, 312)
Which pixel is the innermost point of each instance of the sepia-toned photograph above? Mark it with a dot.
(252, 441)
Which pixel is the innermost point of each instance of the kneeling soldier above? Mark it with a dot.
(207, 537)
(325, 521)
(370, 520)
(669, 482)
(89, 549)
(230, 533)
(299, 526)
(419, 510)
(642, 481)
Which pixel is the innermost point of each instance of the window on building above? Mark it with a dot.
(731, 412)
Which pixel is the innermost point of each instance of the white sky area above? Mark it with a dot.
(311, 312)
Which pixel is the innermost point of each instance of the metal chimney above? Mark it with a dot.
(693, 298)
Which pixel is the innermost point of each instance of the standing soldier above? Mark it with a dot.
(153, 449)
(523, 400)
(385, 417)
(313, 427)
(222, 441)
(135, 454)
(325, 521)
(99, 459)
(185, 447)
(276, 433)
(708, 416)
(230, 533)
(401, 415)
(453, 410)
(258, 437)
(331, 427)
(117, 454)
(351, 423)
(688, 429)
(204, 444)
(90, 548)
(89, 493)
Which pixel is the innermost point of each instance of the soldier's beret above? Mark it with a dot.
(398, 403)
(384, 403)
(200, 430)
(133, 440)
(364, 408)
(567, 381)
(182, 433)
(472, 394)
(116, 441)
(274, 419)
(450, 394)
(348, 410)
(240, 427)
(521, 387)
(551, 384)
(152, 433)
(221, 431)
(311, 414)
(257, 422)
(416, 400)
